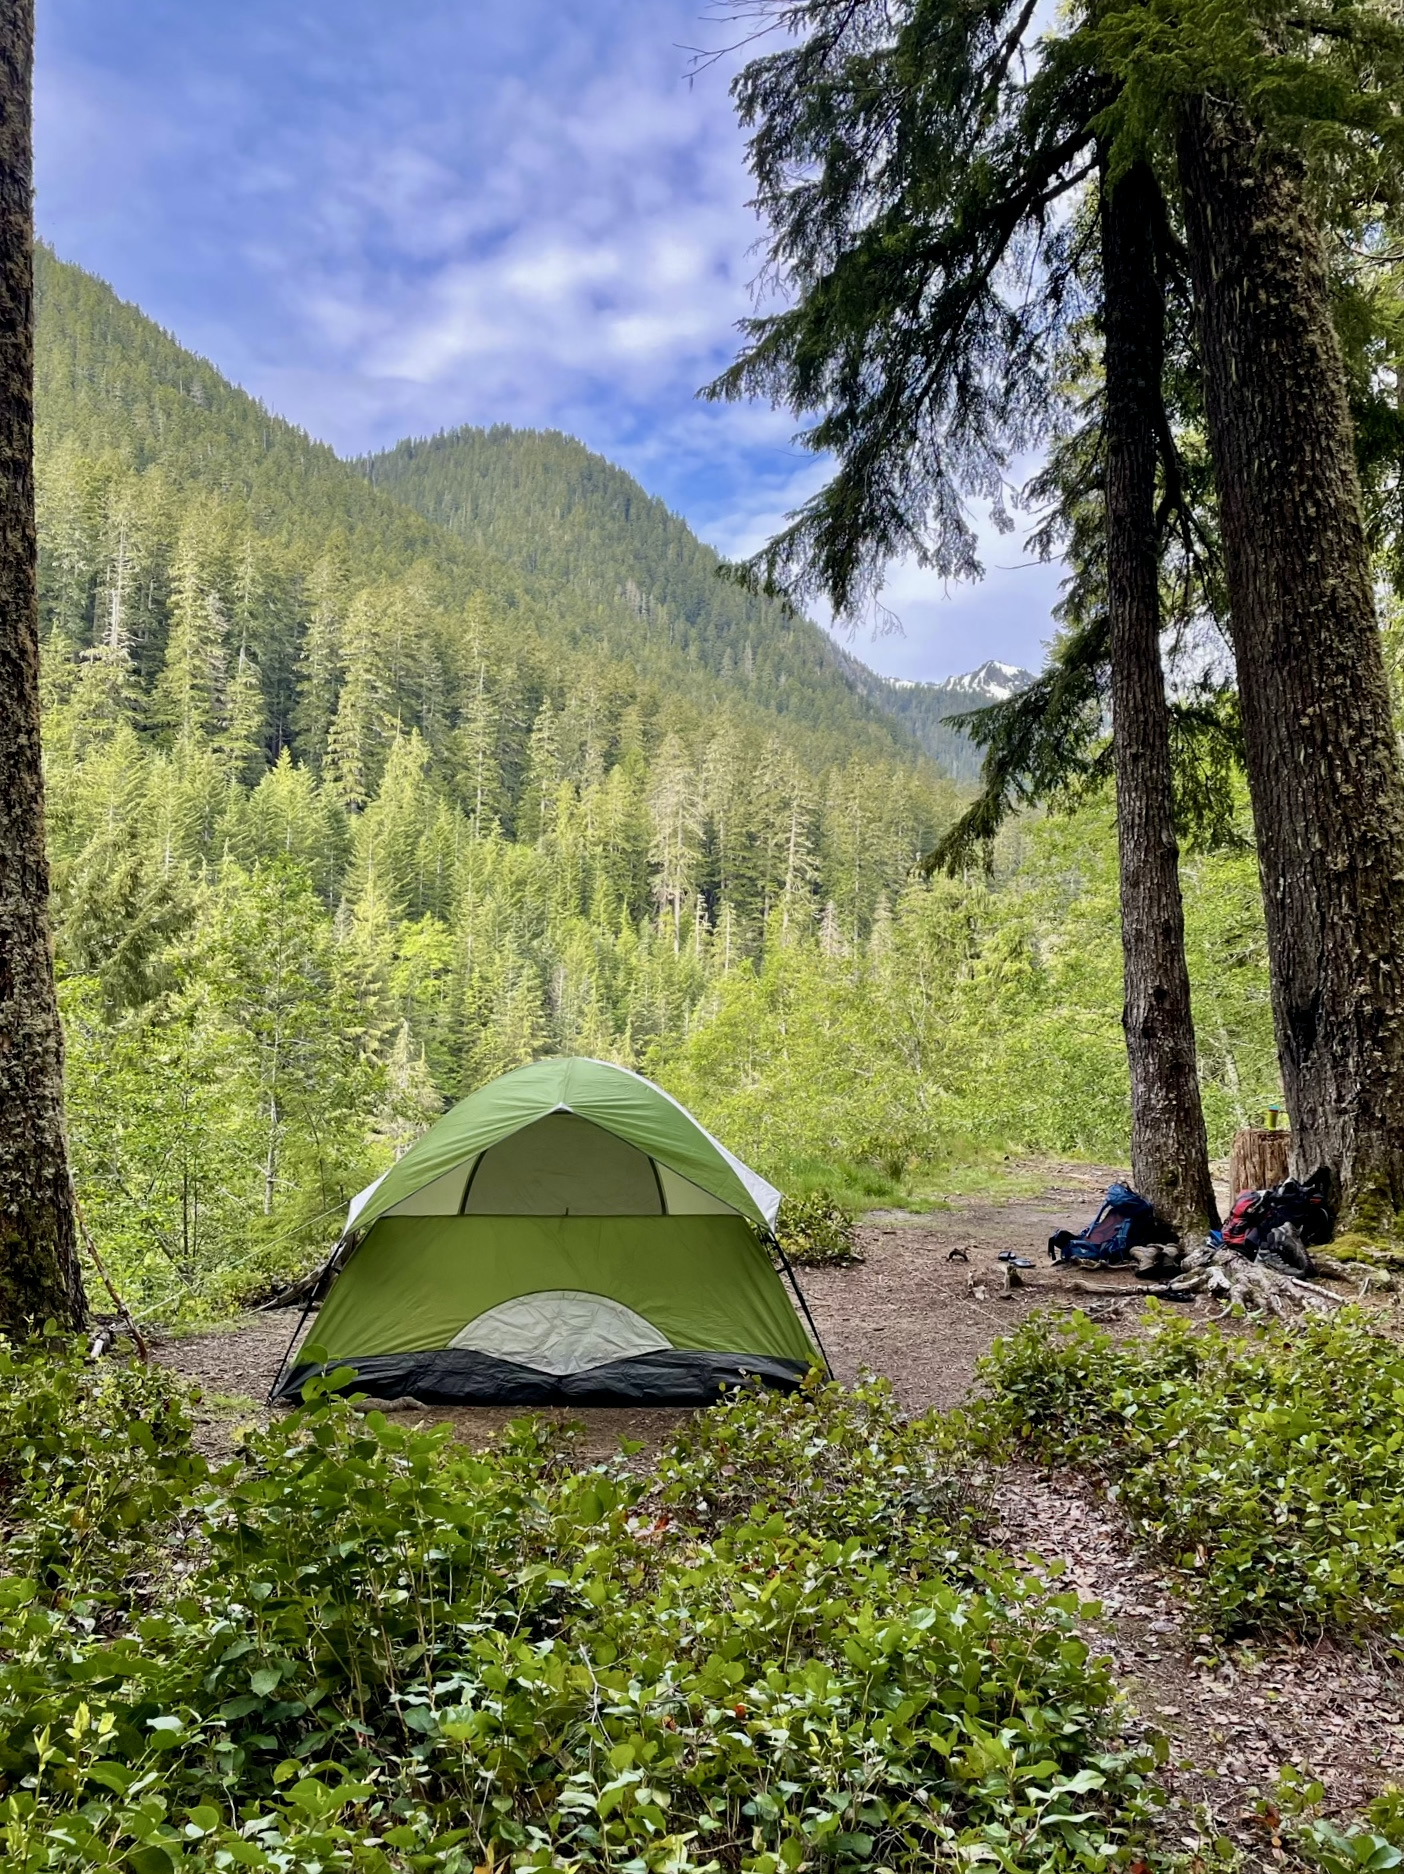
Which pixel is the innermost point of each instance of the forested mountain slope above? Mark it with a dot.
(348, 814)
(927, 709)
(612, 563)
(119, 398)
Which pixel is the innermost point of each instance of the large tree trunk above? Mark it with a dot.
(39, 1273)
(1322, 765)
(1169, 1152)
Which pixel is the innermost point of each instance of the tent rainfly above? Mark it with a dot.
(568, 1233)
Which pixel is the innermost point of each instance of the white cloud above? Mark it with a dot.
(489, 214)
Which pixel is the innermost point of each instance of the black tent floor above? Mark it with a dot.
(459, 1376)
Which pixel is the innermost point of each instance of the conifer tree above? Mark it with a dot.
(241, 741)
(543, 774)
(1322, 756)
(721, 790)
(903, 161)
(1169, 1147)
(39, 1273)
(1253, 101)
(107, 690)
(390, 831)
(361, 727)
(676, 808)
(476, 745)
(319, 662)
(191, 699)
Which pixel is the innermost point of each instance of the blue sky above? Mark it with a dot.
(390, 219)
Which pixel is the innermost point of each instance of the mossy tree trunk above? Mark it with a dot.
(1323, 770)
(1169, 1150)
(39, 1273)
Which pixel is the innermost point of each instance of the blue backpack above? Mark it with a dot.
(1125, 1218)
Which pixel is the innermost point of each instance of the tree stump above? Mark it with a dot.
(1258, 1158)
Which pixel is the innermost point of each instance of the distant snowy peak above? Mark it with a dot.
(926, 707)
(992, 679)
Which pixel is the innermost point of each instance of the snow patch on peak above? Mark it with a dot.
(993, 679)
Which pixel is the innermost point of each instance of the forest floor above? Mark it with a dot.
(923, 1319)
(907, 1311)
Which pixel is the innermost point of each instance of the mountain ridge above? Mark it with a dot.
(116, 395)
(553, 533)
(590, 516)
(925, 709)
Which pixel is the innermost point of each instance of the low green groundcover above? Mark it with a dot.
(364, 1647)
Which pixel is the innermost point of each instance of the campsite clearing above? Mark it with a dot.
(912, 1313)
(906, 1311)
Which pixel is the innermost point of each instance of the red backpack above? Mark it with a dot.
(1256, 1214)
(1241, 1224)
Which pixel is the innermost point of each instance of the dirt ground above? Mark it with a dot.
(923, 1316)
(910, 1310)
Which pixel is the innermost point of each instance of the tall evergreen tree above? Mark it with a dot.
(1322, 756)
(191, 698)
(1169, 1149)
(904, 163)
(361, 727)
(39, 1273)
(319, 661)
(1275, 113)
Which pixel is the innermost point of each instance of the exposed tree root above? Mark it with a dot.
(1102, 1290)
(1251, 1285)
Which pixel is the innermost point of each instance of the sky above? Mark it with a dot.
(387, 220)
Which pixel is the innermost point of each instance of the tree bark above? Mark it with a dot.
(1323, 770)
(39, 1273)
(1169, 1150)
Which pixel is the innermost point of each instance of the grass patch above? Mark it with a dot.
(854, 1186)
(927, 1185)
(999, 1177)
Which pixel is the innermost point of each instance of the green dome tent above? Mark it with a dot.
(566, 1233)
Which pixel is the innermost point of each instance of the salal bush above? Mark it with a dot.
(1266, 1466)
(360, 1646)
(815, 1230)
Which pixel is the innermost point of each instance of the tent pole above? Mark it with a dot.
(799, 1297)
(317, 1290)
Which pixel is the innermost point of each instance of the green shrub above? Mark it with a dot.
(1267, 1467)
(836, 1463)
(94, 1456)
(814, 1230)
(380, 1651)
(1374, 1843)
